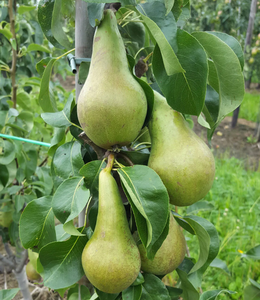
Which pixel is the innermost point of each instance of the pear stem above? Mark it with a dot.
(110, 162)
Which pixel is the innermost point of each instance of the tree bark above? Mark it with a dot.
(83, 43)
(83, 36)
(249, 35)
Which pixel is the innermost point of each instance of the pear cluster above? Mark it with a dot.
(112, 108)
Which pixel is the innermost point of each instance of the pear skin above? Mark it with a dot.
(169, 256)
(112, 106)
(181, 159)
(31, 273)
(111, 259)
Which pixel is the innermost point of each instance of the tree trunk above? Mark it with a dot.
(83, 43)
(249, 35)
(83, 36)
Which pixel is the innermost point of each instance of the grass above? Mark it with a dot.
(250, 107)
(236, 198)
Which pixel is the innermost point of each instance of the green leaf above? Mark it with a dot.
(73, 293)
(95, 13)
(36, 47)
(208, 241)
(56, 25)
(139, 280)
(174, 292)
(199, 206)
(105, 296)
(37, 224)
(57, 140)
(254, 283)
(212, 295)
(253, 253)
(91, 171)
(189, 291)
(46, 99)
(171, 63)
(61, 262)
(154, 289)
(251, 293)
(68, 160)
(83, 72)
(233, 44)
(23, 9)
(230, 78)
(24, 100)
(7, 155)
(156, 11)
(61, 234)
(27, 117)
(69, 199)
(45, 15)
(4, 175)
(5, 31)
(184, 92)
(220, 264)
(61, 118)
(147, 196)
(132, 293)
(137, 157)
(169, 5)
(177, 8)
(70, 229)
(8, 294)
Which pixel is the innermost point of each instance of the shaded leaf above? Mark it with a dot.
(60, 118)
(185, 92)
(68, 160)
(91, 171)
(56, 25)
(147, 195)
(220, 264)
(154, 289)
(61, 262)
(170, 61)
(69, 199)
(212, 295)
(230, 78)
(45, 12)
(46, 99)
(8, 294)
(132, 293)
(37, 224)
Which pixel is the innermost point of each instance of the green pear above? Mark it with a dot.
(112, 105)
(111, 259)
(169, 256)
(31, 273)
(6, 215)
(182, 159)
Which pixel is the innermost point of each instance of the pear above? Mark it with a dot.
(181, 159)
(6, 215)
(112, 106)
(110, 259)
(169, 256)
(31, 273)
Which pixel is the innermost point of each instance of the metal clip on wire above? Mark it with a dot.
(74, 62)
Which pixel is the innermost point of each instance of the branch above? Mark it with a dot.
(19, 268)
(99, 151)
(6, 261)
(126, 159)
(14, 51)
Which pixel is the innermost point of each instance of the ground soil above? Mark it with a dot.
(234, 142)
(231, 142)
